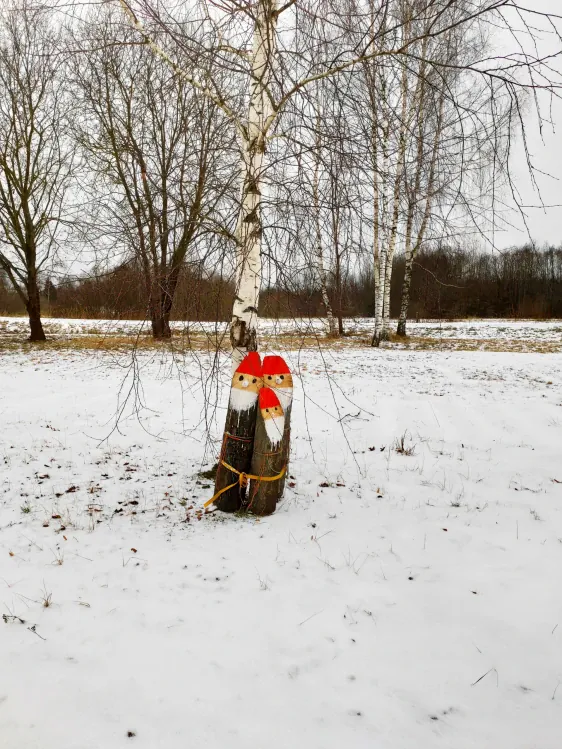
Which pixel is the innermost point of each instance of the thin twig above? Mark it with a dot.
(310, 617)
(486, 674)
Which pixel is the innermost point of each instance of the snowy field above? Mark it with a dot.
(496, 331)
(407, 592)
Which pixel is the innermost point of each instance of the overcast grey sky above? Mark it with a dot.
(545, 225)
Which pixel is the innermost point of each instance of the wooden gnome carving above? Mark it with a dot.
(277, 376)
(268, 463)
(272, 415)
(238, 440)
(255, 446)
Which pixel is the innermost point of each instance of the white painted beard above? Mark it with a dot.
(274, 428)
(242, 400)
(285, 396)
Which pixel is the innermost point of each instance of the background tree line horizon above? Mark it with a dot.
(447, 283)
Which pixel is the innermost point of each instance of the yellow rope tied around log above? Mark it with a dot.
(243, 479)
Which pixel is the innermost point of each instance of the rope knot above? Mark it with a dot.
(244, 479)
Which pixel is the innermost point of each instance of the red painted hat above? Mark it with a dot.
(250, 365)
(268, 399)
(275, 365)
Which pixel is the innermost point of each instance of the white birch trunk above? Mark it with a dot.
(405, 119)
(376, 211)
(320, 268)
(244, 325)
(411, 248)
(405, 301)
(381, 236)
(380, 182)
(318, 248)
(388, 247)
(379, 298)
(419, 107)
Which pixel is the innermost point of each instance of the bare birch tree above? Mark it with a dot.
(421, 184)
(463, 128)
(423, 111)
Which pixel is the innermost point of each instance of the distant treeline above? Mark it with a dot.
(449, 283)
(446, 283)
(122, 295)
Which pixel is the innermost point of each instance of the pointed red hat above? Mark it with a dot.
(250, 365)
(275, 365)
(268, 399)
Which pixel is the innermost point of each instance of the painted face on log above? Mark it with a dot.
(276, 375)
(272, 414)
(246, 382)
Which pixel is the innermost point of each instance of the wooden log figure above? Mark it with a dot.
(268, 464)
(278, 377)
(239, 430)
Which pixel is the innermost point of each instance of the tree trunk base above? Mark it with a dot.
(161, 329)
(378, 338)
(37, 334)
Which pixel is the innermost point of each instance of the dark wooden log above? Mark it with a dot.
(278, 377)
(239, 431)
(286, 449)
(268, 460)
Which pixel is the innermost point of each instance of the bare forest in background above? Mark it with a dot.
(446, 283)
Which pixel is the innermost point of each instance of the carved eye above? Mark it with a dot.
(269, 377)
(267, 410)
(240, 378)
(254, 381)
(282, 377)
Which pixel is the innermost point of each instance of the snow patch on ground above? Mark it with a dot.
(405, 594)
(547, 331)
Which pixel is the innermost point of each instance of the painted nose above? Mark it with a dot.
(245, 384)
(278, 380)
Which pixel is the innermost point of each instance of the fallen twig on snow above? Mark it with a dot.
(486, 674)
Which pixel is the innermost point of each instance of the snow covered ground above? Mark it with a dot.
(393, 601)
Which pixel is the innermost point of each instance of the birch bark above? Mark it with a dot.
(405, 122)
(411, 248)
(318, 249)
(244, 324)
(376, 213)
(318, 244)
(372, 75)
(414, 193)
(381, 235)
(386, 253)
